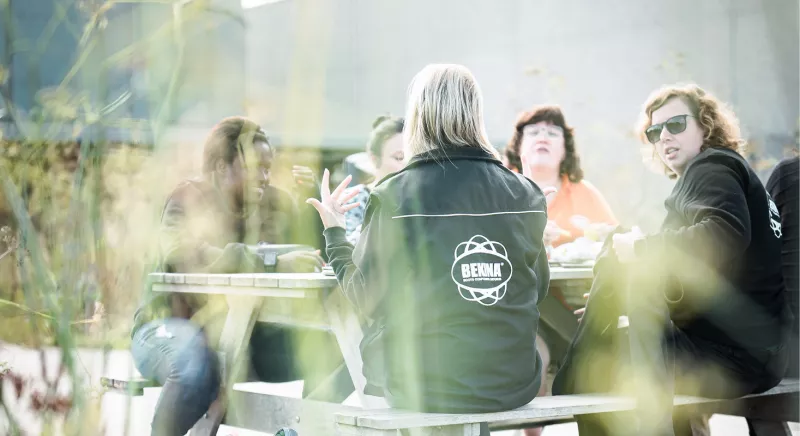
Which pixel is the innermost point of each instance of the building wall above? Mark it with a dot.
(137, 51)
(317, 75)
(342, 63)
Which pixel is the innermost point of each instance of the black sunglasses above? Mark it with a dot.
(674, 125)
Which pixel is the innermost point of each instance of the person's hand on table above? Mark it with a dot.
(591, 230)
(552, 232)
(598, 231)
(332, 205)
(624, 244)
(299, 262)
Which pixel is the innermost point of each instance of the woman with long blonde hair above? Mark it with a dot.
(441, 268)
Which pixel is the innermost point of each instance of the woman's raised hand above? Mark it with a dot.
(332, 205)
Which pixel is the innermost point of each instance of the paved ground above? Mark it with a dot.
(116, 410)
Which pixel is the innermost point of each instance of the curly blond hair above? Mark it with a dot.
(719, 123)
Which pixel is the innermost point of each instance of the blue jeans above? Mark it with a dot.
(174, 352)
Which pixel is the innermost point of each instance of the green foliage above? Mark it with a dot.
(81, 214)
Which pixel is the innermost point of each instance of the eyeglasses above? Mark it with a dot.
(674, 125)
(550, 131)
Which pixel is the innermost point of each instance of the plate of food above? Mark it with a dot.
(580, 252)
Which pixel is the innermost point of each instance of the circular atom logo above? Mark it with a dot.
(481, 270)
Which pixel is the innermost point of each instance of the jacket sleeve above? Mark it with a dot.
(713, 199)
(776, 187)
(542, 270)
(362, 270)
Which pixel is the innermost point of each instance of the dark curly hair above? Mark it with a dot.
(571, 164)
(227, 139)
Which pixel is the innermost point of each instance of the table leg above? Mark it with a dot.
(233, 343)
(346, 326)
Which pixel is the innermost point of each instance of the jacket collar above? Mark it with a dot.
(447, 153)
(451, 152)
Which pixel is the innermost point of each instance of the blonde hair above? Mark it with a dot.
(718, 122)
(445, 107)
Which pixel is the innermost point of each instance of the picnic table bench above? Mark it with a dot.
(767, 413)
(311, 301)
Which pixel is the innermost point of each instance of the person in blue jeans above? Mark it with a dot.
(209, 225)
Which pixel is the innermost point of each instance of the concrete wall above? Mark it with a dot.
(318, 74)
(137, 51)
(338, 64)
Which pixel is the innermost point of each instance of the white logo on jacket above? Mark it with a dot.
(481, 270)
(774, 217)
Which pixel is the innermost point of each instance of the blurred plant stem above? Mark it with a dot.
(56, 243)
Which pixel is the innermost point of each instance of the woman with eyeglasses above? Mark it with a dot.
(705, 295)
(543, 149)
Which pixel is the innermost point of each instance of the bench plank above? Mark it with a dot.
(227, 430)
(543, 407)
(133, 386)
(449, 430)
(261, 408)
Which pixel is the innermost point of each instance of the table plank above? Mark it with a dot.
(248, 280)
(308, 280)
(237, 290)
(174, 278)
(265, 280)
(219, 279)
(195, 279)
(560, 273)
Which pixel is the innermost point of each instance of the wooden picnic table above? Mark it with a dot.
(305, 300)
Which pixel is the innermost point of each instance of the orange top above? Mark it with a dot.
(580, 198)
